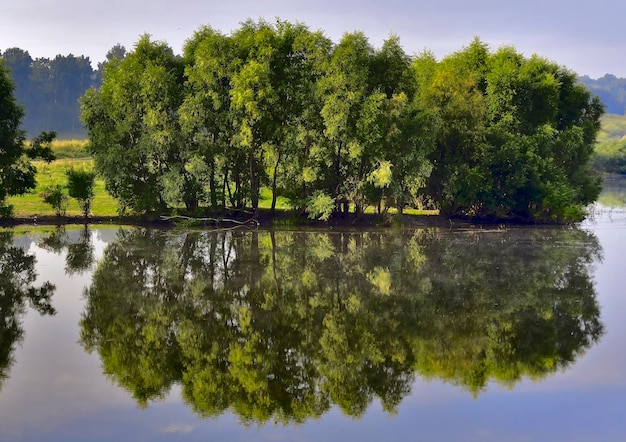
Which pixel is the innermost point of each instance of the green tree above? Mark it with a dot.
(344, 89)
(452, 92)
(17, 174)
(253, 98)
(205, 116)
(80, 185)
(514, 136)
(56, 197)
(133, 128)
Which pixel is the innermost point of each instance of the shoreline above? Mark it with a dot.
(265, 220)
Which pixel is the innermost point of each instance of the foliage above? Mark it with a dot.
(278, 326)
(17, 174)
(80, 185)
(56, 197)
(480, 134)
(515, 136)
(133, 130)
(321, 206)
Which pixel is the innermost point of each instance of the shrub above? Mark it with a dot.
(56, 197)
(80, 185)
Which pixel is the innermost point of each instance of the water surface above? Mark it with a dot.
(135, 334)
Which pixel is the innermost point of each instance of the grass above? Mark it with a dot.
(74, 148)
(48, 174)
(70, 149)
(613, 128)
(265, 200)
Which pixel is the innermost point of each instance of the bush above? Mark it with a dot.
(56, 197)
(80, 184)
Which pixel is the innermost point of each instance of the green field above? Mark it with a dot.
(613, 128)
(31, 204)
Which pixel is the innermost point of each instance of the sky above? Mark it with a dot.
(585, 36)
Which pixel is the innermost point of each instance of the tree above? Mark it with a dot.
(205, 116)
(480, 134)
(56, 197)
(514, 136)
(344, 89)
(80, 184)
(135, 137)
(17, 174)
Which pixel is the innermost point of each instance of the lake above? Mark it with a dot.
(481, 334)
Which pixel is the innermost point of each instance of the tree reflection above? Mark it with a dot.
(17, 290)
(80, 250)
(281, 325)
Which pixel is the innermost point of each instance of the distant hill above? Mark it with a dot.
(611, 90)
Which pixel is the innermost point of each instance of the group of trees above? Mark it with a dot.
(610, 89)
(49, 89)
(279, 326)
(334, 127)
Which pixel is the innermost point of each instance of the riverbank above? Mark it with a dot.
(264, 219)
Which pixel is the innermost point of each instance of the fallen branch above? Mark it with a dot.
(249, 222)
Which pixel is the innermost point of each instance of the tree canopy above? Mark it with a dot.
(339, 127)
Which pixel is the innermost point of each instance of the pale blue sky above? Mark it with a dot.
(584, 36)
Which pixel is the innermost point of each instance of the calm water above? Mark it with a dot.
(486, 335)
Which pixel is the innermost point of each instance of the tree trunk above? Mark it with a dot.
(254, 181)
(212, 185)
(273, 209)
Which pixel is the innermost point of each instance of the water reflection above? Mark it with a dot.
(17, 290)
(80, 250)
(281, 325)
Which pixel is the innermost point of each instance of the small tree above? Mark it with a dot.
(55, 196)
(80, 184)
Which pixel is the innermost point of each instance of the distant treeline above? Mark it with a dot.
(611, 90)
(49, 89)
